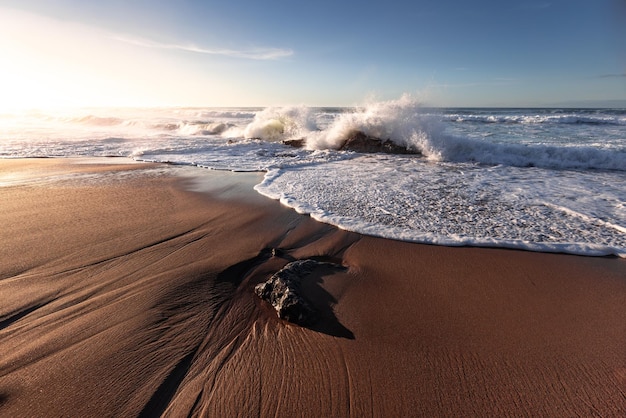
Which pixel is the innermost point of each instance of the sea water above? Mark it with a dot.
(536, 179)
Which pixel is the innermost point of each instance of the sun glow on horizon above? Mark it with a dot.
(50, 64)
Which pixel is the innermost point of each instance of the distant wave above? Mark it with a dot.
(94, 120)
(170, 125)
(571, 119)
(194, 127)
(232, 114)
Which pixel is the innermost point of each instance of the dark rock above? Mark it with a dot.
(296, 143)
(360, 142)
(282, 291)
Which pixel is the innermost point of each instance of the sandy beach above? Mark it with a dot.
(127, 289)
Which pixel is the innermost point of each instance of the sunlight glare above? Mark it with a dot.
(49, 64)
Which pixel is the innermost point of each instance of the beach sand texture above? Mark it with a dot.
(125, 293)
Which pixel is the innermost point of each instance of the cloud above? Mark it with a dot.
(494, 82)
(254, 54)
(623, 75)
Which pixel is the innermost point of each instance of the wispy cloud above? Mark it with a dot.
(623, 75)
(494, 82)
(254, 54)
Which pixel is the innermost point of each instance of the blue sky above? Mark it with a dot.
(251, 53)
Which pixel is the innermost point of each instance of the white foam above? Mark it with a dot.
(274, 124)
(397, 120)
(441, 147)
(570, 118)
(460, 204)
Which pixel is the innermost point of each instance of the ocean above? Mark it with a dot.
(551, 180)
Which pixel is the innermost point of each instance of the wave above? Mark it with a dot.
(193, 127)
(396, 120)
(459, 149)
(169, 126)
(230, 114)
(94, 120)
(277, 124)
(567, 119)
(405, 122)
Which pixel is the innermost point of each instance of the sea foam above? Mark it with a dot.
(405, 122)
(460, 204)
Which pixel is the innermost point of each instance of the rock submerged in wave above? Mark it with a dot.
(360, 142)
(282, 291)
(296, 143)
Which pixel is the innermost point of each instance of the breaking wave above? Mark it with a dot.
(277, 124)
(406, 123)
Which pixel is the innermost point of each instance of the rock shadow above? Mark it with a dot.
(323, 302)
(297, 295)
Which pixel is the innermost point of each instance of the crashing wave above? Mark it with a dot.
(402, 126)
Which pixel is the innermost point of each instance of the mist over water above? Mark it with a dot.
(538, 179)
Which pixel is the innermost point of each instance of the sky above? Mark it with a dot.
(68, 53)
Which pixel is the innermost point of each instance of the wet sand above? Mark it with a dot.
(127, 290)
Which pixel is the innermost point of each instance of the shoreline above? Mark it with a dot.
(128, 290)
